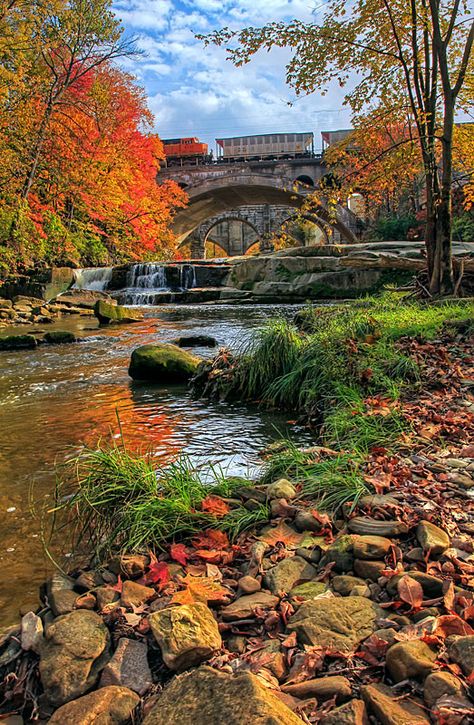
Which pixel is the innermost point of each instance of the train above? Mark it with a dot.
(182, 151)
(266, 146)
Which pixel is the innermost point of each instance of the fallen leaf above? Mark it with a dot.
(200, 589)
(178, 553)
(410, 591)
(282, 534)
(215, 505)
(211, 539)
(452, 624)
(158, 574)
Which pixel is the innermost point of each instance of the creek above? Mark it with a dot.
(57, 399)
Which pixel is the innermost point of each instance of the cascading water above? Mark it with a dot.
(92, 278)
(147, 282)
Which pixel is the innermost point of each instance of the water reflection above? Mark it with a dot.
(55, 400)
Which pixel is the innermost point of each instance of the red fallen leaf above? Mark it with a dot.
(410, 591)
(290, 641)
(158, 574)
(178, 553)
(201, 589)
(211, 539)
(452, 624)
(215, 556)
(282, 534)
(448, 597)
(215, 505)
(119, 586)
(468, 612)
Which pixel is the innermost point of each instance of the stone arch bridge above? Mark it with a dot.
(263, 195)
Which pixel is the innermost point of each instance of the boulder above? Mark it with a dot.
(438, 684)
(432, 538)
(208, 697)
(410, 659)
(246, 606)
(59, 337)
(352, 713)
(338, 623)
(195, 341)
(371, 547)
(108, 313)
(18, 342)
(128, 667)
(281, 489)
(461, 650)
(322, 688)
(287, 573)
(108, 706)
(75, 650)
(162, 363)
(83, 298)
(390, 709)
(187, 635)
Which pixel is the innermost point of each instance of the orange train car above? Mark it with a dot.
(181, 151)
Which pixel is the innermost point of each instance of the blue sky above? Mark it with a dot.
(194, 91)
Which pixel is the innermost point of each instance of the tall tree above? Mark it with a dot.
(407, 56)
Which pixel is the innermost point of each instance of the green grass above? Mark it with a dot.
(111, 501)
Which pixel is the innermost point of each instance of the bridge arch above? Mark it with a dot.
(227, 191)
(323, 226)
(305, 180)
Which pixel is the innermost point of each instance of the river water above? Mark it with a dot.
(57, 399)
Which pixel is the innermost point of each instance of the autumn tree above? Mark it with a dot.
(396, 57)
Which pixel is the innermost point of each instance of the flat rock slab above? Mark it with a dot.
(187, 635)
(246, 606)
(337, 623)
(322, 688)
(107, 706)
(387, 706)
(75, 650)
(208, 697)
(128, 667)
(352, 713)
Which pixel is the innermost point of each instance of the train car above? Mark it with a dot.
(182, 151)
(265, 146)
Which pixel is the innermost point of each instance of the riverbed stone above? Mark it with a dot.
(187, 635)
(390, 709)
(461, 651)
(62, 601)
(31, 632)
(249, 585)
(75, 650)
(162, 363)
(366, 569)
(130, 566)
(441, 683)
(108, 706)
(209, 697)
(287, 573)
(338, 623)
(432, 538)
(431, 585)
(351, 713)
(281, 489)
(59, 337)
(365, 525)
(341, 552)
(18, 342)
(305, 521)
(107, 313)
(322, 688)
(195, 341)
(246, 606)
(134, 594)
(410, 659)
(128, 667)
(371, 547)
(105, 596)
(344, 583)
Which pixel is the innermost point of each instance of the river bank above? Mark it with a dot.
(335, 586)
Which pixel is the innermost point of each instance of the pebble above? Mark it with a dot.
(249, 585)
(134, 594)
(322, 688)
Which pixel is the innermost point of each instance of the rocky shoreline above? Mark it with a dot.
(362, 617)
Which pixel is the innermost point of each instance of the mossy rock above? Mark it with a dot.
(59, 337)
(162, 363)
(109, 313)
(18, 342)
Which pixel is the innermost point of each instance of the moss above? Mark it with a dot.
(162, 363)
(108, 313)
(59, 337)
(18, 342)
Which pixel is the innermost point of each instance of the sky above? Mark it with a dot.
(194, 91)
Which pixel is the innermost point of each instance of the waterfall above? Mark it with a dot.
(147, 282)
(92, 278)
